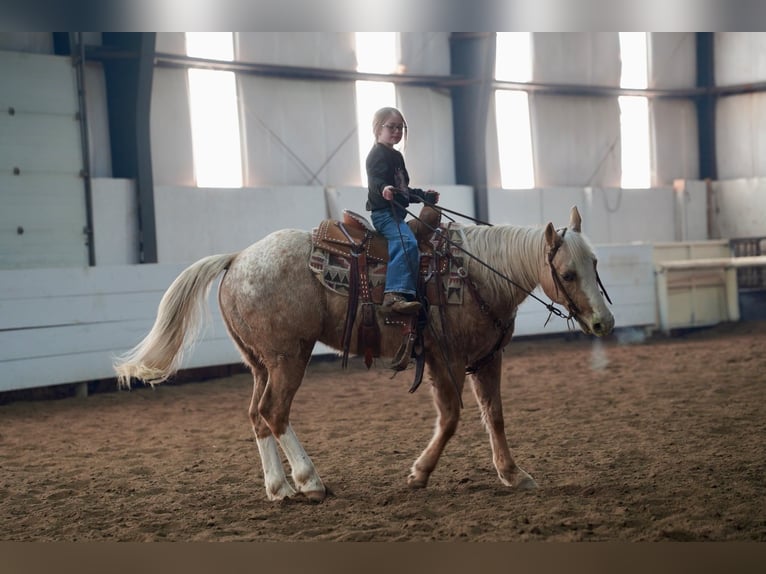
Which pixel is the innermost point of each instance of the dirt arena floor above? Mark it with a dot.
(629, 440)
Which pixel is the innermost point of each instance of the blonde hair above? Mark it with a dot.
(380, 117)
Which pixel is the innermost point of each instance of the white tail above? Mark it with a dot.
(180, 315)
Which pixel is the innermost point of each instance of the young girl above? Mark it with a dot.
(388, 196)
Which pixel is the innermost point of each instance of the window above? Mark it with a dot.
(634, 112)
(216, 140)
(513, 63)
(376, 52)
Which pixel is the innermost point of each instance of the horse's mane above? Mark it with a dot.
(516, 252)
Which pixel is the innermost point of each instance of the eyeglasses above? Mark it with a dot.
(395, 127)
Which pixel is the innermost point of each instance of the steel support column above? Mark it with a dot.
(128, 69)
(473, 58)
(706, 102)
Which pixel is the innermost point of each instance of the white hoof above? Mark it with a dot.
(281, 492)
(520, 480)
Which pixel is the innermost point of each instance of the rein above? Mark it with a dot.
(549, 306)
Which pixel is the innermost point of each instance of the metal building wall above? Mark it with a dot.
(43, 215)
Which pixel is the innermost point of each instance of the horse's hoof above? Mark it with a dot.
(315, 496)
(281, 494)
(519, 480)
(415, 482)
(524, 481)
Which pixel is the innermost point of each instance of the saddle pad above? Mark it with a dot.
(333, 271)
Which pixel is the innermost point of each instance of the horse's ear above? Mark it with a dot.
(575, 221)
(552, 238)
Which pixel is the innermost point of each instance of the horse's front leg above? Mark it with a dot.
(447, 401)
(486, 389)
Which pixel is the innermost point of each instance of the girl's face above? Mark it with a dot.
(392, 130)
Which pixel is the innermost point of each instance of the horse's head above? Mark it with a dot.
(571, 279)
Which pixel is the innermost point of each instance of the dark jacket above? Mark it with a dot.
(385, 166)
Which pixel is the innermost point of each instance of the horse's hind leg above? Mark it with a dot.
(277, 486)
(486, 389)
(447, 402)
(285, 376)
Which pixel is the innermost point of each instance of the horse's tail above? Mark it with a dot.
(180, 316)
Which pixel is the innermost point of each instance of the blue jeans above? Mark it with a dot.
(403, 252)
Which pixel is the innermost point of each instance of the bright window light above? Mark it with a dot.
(633, 56)
(214, 111)
(513, 63)
(634, 134)
(513, 57)
(634, 112)
(210, 45)
(376, 52)
(514, 139)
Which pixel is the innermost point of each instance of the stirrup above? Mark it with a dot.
(403, 354)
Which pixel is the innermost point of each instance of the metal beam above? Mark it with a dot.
(129, 90)
(706, 103)
(472, 56)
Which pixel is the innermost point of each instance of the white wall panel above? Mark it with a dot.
(40, 143)
(334, 50)
(610, 215)
(43, 207)
(67, 325)
(575, 140)
(674, 141)
(740, 207)
(299, 132)
(426, 53)
(672, 59)
(115, 221)
(741, 136)
(195, 222)
(589, 58)
(740, 57)
(626, 215)
(172, 157)
(41, 83)
(98, 121)
(170, 43)
(42, 221)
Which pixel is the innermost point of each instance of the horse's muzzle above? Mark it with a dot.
(602, 325)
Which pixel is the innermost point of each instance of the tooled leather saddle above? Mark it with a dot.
(349, 257)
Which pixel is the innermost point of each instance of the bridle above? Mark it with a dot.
(574, 310)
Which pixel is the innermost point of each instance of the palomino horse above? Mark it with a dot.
(275, 310)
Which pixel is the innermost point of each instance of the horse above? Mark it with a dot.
(275, 310)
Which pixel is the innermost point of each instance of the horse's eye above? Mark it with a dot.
(569, 276)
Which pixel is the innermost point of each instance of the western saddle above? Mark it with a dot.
(365, 253)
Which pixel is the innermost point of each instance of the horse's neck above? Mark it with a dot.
(513, 252)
